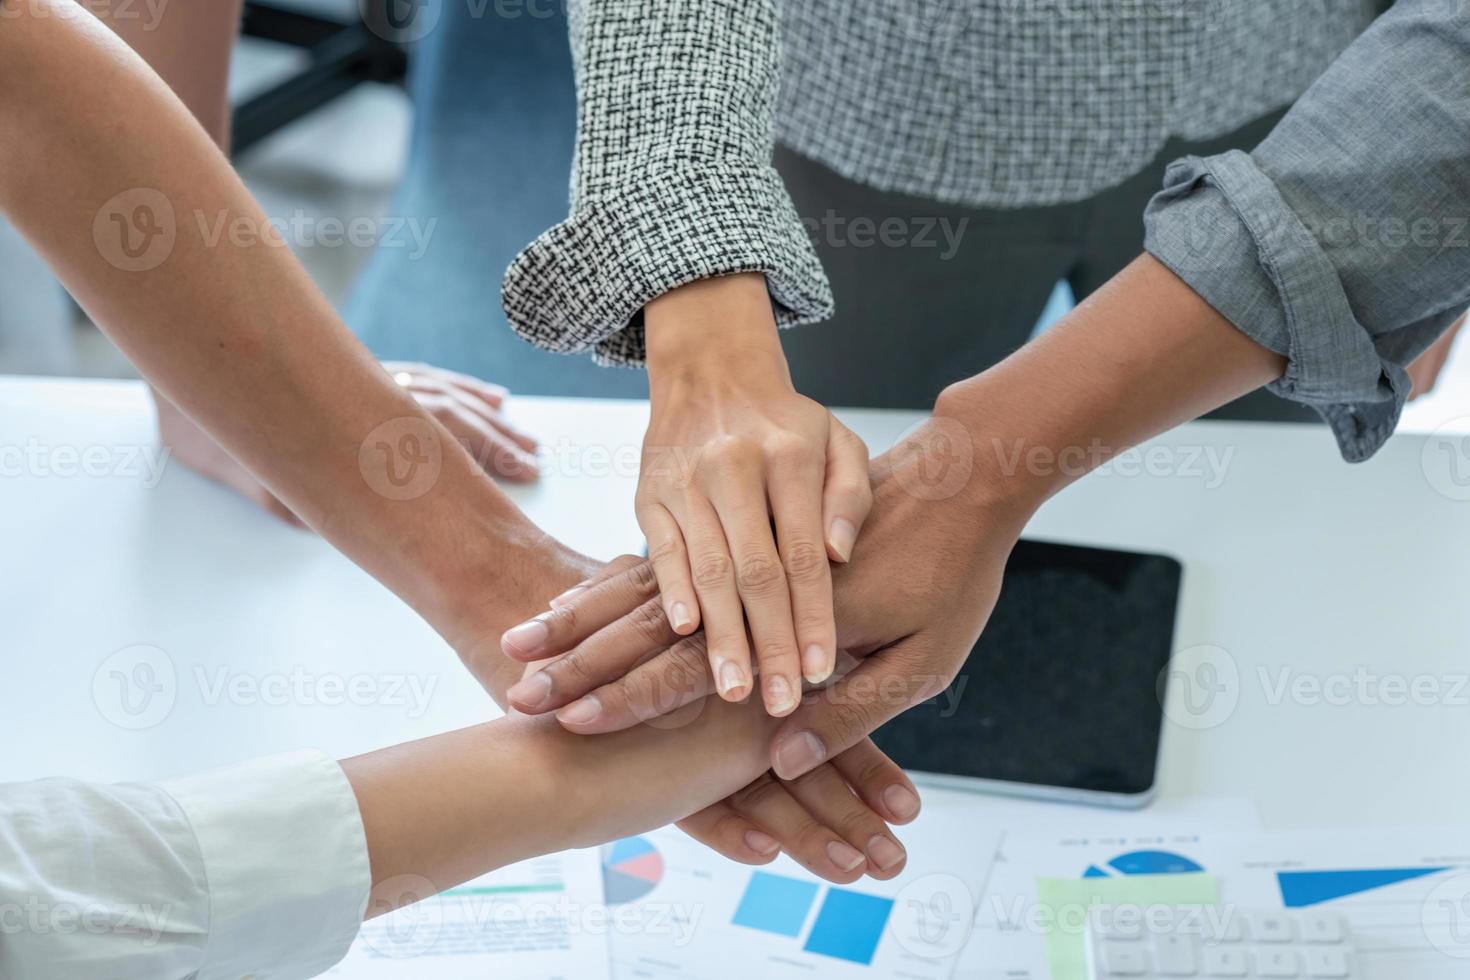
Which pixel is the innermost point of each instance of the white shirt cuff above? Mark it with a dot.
(286, 859)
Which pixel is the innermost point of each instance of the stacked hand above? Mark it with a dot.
(747, 490)
(910, 606)
(833, 820)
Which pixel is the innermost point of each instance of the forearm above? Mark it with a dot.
(1341, 239)
(676, 109)
(450, 808)
(1140, 356)
(236, 334)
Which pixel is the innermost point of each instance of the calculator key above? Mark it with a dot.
(1124, 960)
(1321, 927)
(1222, 926)
(1225, 961)
(1176, 957)
(1268, 928)
(1329, 964)
(1278, 963)
(1124, 928)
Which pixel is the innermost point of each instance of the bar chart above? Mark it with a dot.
(848, 925)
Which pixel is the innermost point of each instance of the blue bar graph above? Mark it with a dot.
(775, 903)
(1301, 889)
(849, 926)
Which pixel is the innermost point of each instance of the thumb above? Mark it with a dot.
(834, 719)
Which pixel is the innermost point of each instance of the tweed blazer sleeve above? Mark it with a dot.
(672, 180)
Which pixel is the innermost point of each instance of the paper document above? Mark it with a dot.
(1014, 927)
(697, 916)
(542, 919)
(1406, 893)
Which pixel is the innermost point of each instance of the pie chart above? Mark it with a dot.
(631, 868)
(1145, 863)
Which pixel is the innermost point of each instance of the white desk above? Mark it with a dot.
(1295, 560)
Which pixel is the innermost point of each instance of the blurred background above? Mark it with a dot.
(406, 176)
(449, 154)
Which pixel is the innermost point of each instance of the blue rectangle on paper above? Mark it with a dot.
(775, 903)
(849, 926)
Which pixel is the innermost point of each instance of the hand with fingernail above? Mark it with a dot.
(909, 608)
(747, 491)
(834, 820)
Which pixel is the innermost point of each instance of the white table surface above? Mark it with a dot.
(1294, 561)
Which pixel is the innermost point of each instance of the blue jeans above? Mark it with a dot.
(495, 121)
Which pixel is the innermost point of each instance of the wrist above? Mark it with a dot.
(714, 330)
(502, 571)
(1000, 479)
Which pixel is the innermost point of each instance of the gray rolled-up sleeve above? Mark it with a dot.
(673, 180)
(1343, 241)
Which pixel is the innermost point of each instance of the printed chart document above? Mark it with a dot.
(1405, 892)
(542, 919)
(1014, 936)
(692, 915)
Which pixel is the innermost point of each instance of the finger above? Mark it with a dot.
(613, 568)
(654, 687)
(818, 848)
(719, 597)
(671, 565)
(473, 401)
(723, 830)
(839, 716)
(827, 797)
(879, 781)
(595, 662)
(492, 393)
(490, 449)
(558, 630)
(796, 502)
(761, 583)
(847, 493)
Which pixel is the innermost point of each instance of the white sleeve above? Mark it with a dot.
(257, 870)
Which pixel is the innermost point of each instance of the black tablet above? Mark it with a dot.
(1059, 698)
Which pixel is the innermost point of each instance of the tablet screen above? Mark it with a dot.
(1062, 688)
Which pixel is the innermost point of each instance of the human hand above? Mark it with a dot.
(911, 604)
(830, 821)
(730, 448)
(467, 407)
(833, 820)
(1425, 369)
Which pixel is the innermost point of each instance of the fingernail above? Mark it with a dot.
(531, 692)
(902, 802)
(567, 595)
(732, 680)
(798, 754)
(884, 851)
(761, 843)
(780, 698)
(841, 536)
(525, 639)
(679, 617)
(583, 712)
(844, 855)
(814, 665)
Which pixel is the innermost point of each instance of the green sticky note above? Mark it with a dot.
(1066, 901)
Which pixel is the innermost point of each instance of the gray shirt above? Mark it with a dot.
(678, 115)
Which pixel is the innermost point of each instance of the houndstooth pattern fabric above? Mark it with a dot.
(995, 103)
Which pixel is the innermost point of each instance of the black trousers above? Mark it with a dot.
(929, 293)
